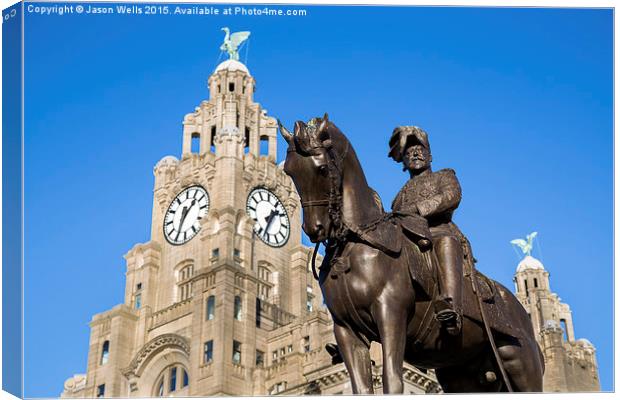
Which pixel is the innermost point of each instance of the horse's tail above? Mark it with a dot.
(542, 357)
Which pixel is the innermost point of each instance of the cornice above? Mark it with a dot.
(120, 310)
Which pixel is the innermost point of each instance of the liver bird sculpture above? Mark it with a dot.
(525, 244)
(232, 43)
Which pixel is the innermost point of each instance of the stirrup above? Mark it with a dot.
(450, 320)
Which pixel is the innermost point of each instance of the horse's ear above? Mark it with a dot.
(323, 127)
(324, 136)
(299, 127)
(288, 136)
(323, 132)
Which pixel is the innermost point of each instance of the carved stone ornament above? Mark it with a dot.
(153, 347)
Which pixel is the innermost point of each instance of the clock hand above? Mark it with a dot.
(184, 214)
(272, 214)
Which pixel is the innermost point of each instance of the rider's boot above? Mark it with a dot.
(334, 352)
(448, 310)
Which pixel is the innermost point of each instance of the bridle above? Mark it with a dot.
(338, 228)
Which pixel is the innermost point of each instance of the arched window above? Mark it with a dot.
(236, 358)
(195, 142)
(237, 308)
(309, 305)
(264, 146)
(105, 352)
(185, 381)
(564, 329)
(247, 140)
(210, 308)
(213, 133)
(171, 381)
(138, 301)
(208, 352)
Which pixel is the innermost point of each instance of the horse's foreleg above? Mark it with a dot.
(392, 324)
(356, 358)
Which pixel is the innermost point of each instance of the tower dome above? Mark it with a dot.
(232, 65)
(167, 160)
(530, 263)
(585, 343)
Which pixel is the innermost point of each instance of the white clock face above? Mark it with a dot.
(182, 220)
(271, 222)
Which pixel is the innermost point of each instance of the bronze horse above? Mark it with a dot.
(374, 295)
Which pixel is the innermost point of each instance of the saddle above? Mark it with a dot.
(386, 234)
(397, 232)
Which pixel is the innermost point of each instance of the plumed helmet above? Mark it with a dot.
(405, 136)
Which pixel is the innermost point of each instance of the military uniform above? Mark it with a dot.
(434, 196)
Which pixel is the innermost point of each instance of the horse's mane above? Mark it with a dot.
(333, 129)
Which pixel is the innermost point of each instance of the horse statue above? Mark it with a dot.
(378, 282)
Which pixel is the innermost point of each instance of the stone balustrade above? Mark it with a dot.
(239, 371)
(276, 314)
(177, 310)
(312, 355)
(275, 369)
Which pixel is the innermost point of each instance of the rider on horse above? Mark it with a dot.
(434, 196)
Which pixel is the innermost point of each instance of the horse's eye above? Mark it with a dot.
(323, 170)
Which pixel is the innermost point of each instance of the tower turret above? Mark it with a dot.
(231, 110)
(569, 365)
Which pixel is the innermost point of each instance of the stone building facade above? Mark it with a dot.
(231, 310)
(570, 365)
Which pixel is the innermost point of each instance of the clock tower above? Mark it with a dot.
(224, 266)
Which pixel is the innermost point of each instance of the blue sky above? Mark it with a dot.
(517, 101)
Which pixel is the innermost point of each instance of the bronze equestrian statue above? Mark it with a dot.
(382, 273)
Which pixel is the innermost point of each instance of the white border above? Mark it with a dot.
(473, 3)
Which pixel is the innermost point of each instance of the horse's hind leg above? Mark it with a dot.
(465, 379)
(523, 364)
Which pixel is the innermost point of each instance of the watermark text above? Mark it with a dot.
(165, 9)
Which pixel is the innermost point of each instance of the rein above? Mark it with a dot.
(334, 200)
(316, 250)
